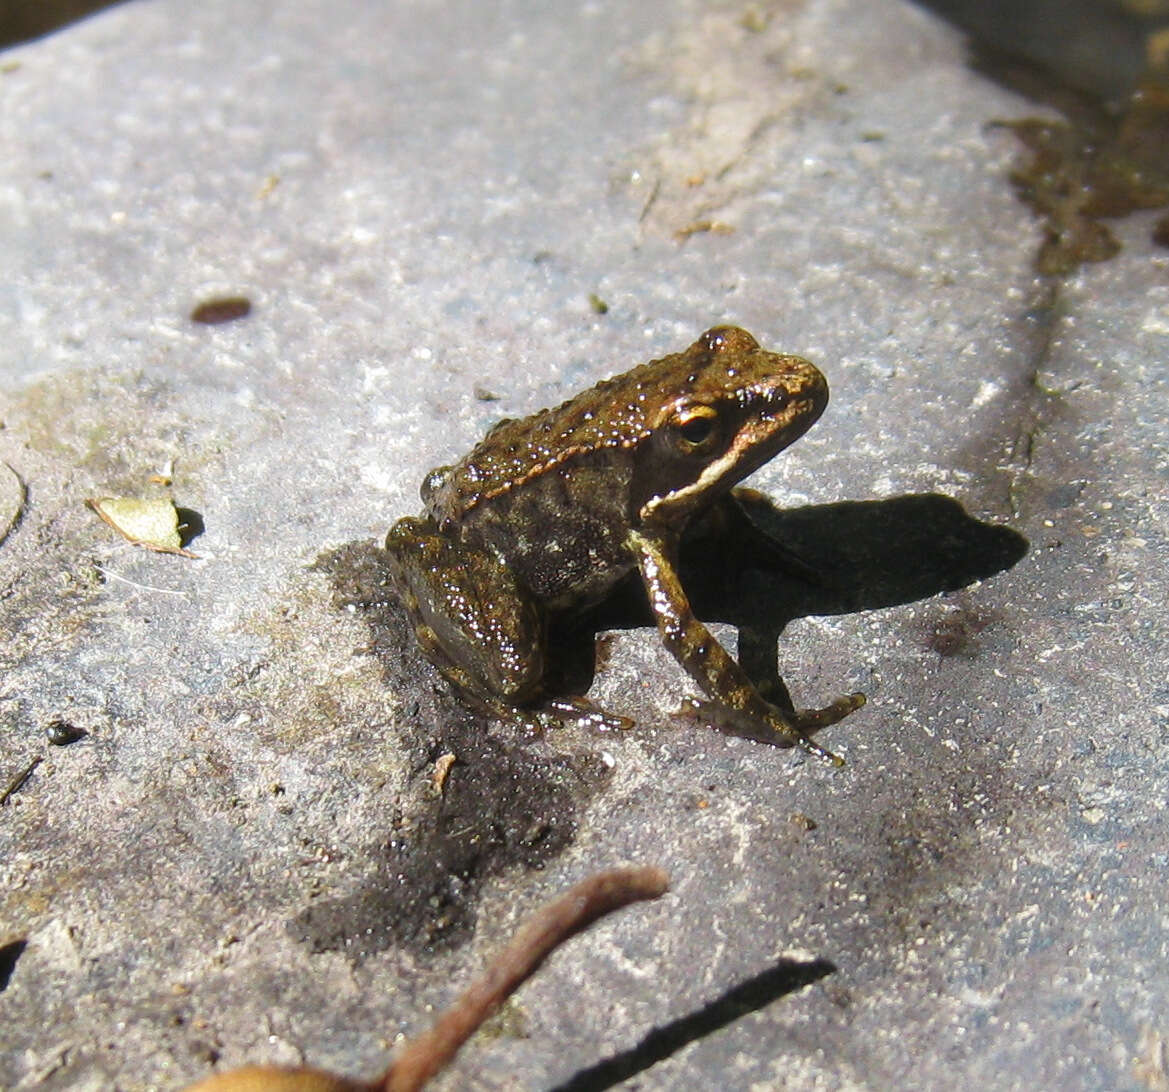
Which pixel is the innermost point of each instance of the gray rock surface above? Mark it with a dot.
(243, 857)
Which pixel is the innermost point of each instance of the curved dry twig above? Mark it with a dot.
(421, 1058)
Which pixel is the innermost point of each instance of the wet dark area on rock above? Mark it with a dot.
(933, 842)
(500, 808)
(1096, 167)
(957, 631)
(481, 801)
(1104, 68)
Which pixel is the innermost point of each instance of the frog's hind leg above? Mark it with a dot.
(535, 717)
(470, 689)
(470, 616)
(584, 710)
(476, 624)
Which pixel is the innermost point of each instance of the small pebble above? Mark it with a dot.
(60, 733)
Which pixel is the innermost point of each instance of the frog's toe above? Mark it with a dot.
(781, 729)
(808, 721)
(582, 710)
(734, 722)
(805, 722)
(555, 713)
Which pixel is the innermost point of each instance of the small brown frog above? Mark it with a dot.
(547, 514)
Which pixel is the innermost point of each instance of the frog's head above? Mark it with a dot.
(728, 406)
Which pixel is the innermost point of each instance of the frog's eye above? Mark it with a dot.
(695, 428)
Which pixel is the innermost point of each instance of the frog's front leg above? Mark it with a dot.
(711, 666)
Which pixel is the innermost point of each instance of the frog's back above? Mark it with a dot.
(600, 424)
(554, 496)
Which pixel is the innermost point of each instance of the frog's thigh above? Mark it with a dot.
(468, 608)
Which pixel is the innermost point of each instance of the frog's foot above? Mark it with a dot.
(493, 707)
(777, 727)
(550, 714)
(587, 712)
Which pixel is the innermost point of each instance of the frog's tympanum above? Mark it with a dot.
(548, 513)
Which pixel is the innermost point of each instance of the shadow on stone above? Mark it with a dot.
(10, 954)
(866, 554)
(832, 559)
(22, 22)
(501, 802)
(756, 993)
(190, 524)
(1100, 48)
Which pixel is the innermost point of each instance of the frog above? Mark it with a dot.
(549, 513)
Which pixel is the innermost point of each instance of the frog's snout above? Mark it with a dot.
(793, 382)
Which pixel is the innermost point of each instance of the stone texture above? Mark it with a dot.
(239, 859)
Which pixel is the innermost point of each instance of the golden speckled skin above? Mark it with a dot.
(549, 512)
(725, 367)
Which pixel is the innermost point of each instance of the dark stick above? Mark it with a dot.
(18, 781)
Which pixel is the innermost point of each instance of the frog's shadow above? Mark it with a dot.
(860, 555)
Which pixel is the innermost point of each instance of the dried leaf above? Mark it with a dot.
(150, 522)
(221, 309)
